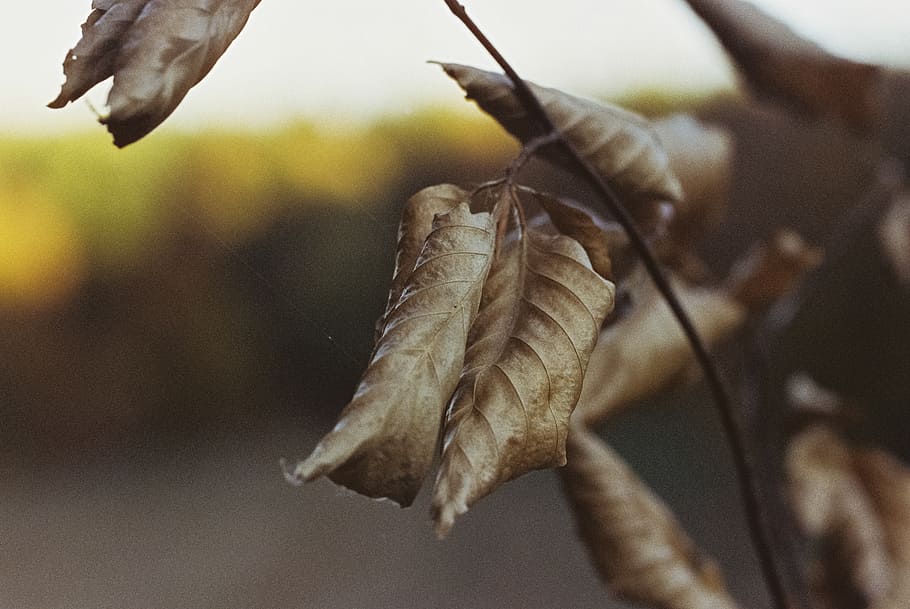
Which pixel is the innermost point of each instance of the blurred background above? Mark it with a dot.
(178, 315)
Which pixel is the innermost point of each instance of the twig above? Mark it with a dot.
(742, 457)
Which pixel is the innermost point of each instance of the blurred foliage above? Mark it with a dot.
(75, 205)
(190, 278)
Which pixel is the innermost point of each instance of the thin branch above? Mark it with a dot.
(742, 457)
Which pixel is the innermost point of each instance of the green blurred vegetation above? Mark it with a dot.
(75, 205)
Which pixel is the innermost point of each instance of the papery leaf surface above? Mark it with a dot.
(619, 143)
(597, 237)
(415, 226)
(635, 542)
(542, 309)
(384, 441)
(156, 51)
(93, 58)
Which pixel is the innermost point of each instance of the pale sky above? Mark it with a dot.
(360, 58)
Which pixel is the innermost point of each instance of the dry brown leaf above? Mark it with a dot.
(416, 224)
(768, 271)
(634, 541)
(597, 237)
(92, 59)
(894, 237)
(807, 396)
(701, 156)
(384, 441)
(832, 503)
(781, 64)
(620, 144)
(542, 309)
(156, 50)
(647, 351)
(888, 484)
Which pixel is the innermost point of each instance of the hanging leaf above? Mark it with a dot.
(894, 237)
(620, 144)
(888, 482)
(701, 156)
(156, 50)
(92, 59)
(833, 504)
(597, 237)
(781, 64)
(646, 351)
(527, 351)
(383, 443)
(635, 543)
(769, 270)
(416, 225)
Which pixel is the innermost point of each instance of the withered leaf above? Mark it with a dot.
(894, 236)
(701, 156)
(619, 143)
(156, 50)
(416, 224)
(647, 351)
(92, 59)
(384, 441)
(594, 235)
(888, 483)
(833, 503)
(770, 270)
(781, 64)
(542, 308)
(634, 541)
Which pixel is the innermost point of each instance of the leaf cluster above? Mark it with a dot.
(503, 346)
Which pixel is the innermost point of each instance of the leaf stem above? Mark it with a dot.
(742, 457)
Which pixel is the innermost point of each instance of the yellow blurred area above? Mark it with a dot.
(41, 256)
(75, 206)
(76, 203)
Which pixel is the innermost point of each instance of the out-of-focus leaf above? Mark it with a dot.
(894, 237)
(620, 144)
(833, 503)
(769, 270)
(92, 59)
(542, 309)
(634, 541)
(780, 63)
(156, 50)
(383, 443)
(701, 156)
(646, 351)
(888, 482)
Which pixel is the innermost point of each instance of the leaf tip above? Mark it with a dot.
(448, 504)
(320, 463)
(59, 102)
(290, 473)
(445, 516)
